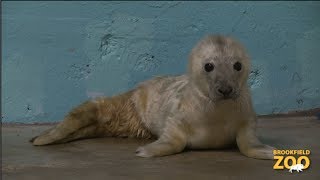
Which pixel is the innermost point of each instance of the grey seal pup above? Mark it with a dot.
(209, 107)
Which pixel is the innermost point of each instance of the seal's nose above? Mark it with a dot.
(225, 91)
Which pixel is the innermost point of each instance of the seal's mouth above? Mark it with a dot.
(229, 97)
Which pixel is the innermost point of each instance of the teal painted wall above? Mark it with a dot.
(56, 55)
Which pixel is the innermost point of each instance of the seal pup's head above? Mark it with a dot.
(219, 67)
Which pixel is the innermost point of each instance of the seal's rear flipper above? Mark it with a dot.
(47, 131)
(115, 116)
(79, 123)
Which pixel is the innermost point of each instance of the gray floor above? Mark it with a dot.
(113, 158)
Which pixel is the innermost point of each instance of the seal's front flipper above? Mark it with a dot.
(250, 145)
(172, 141)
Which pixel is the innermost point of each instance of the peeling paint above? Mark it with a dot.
(79, 72)
(146, 62)
(255, 79)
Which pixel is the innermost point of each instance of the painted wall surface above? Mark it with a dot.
(56, 55)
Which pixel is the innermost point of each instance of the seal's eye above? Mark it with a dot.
(208, 67)
(237, 66)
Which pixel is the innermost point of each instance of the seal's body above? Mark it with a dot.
(209, 107)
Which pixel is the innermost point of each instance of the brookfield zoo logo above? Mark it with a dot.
(294, 160)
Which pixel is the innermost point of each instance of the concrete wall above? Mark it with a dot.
(58, 54)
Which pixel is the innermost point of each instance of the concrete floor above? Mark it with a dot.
(114, 158)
